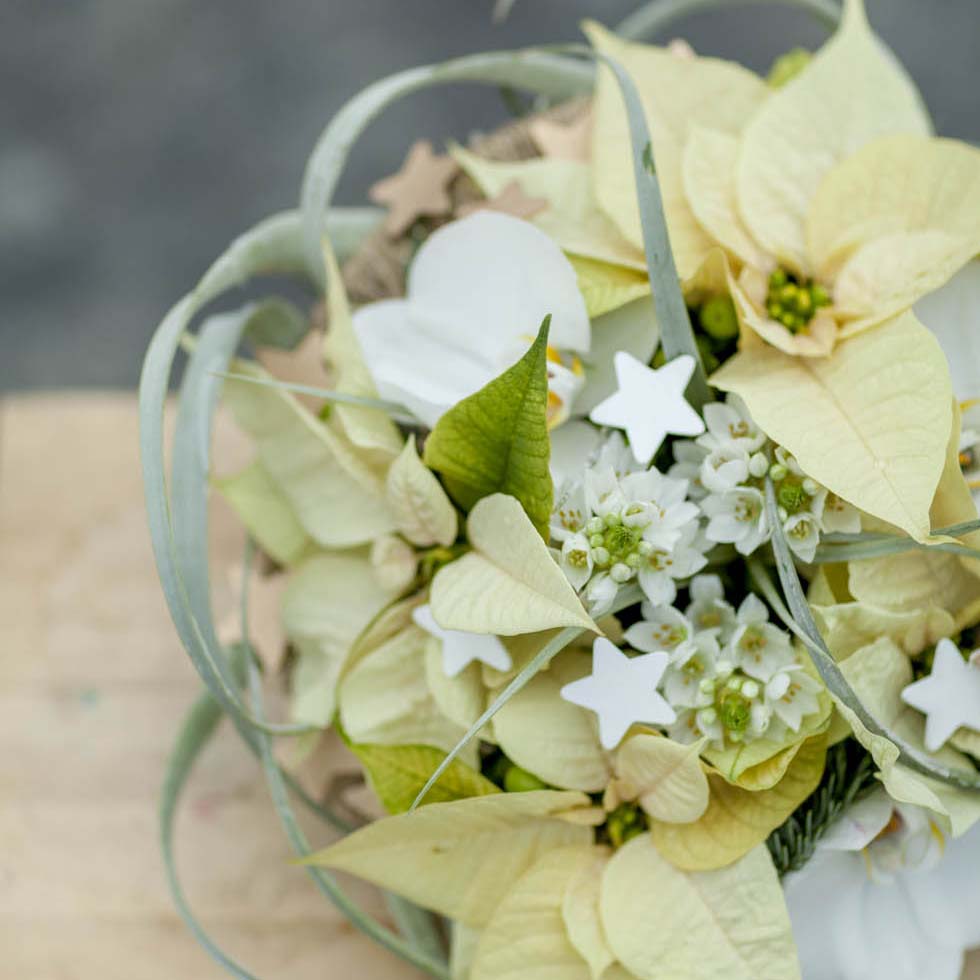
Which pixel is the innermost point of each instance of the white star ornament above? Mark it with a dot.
(649, 403)
(949, 697)
(622, 691)
(460, 648)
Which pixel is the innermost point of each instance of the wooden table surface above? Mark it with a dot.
(92, 688)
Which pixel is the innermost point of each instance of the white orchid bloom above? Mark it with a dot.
(875, 904)
(953, 315)
(477, 292)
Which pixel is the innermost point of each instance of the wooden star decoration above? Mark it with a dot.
(420, 189)
(565, 141)
(304, 364)
(511, 200)
(680, 48)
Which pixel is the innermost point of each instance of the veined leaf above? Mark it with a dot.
(496, 440)
(666, 776)
(848, 626)
(329, 600)
(337, 496)
(917, 580)
(526, 938)
(675, 93)
(264, 509)
(580, 912)
(870, 422)
(459, 858)
(509, 583)
(555, 740)
(651, 913)
(737, 819)
(852, 91)
(572, 218)
(384, 697)
(422, 511)
(607, 287)
(398, 772)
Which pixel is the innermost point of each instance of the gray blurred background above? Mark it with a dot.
(138, 136)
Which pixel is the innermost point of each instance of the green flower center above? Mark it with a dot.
(624, 823)
(621, 540)
(792, 496)
(734, 710)
(793, 301)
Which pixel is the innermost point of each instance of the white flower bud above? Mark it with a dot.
(600, 556)
(758, 465)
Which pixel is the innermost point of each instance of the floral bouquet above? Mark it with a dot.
(614, 509)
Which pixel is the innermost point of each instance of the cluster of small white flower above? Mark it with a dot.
(733, 676)
(621, 523)
(726, 468)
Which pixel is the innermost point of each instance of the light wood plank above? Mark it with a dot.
(92, 688)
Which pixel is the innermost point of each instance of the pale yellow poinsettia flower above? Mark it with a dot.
(836, 205)
(679, 95)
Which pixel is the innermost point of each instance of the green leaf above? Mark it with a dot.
(398, 772)
(496, 440)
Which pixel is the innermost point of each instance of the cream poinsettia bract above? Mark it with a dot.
(834, 204)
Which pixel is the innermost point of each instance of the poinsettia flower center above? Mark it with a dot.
(793, 301)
